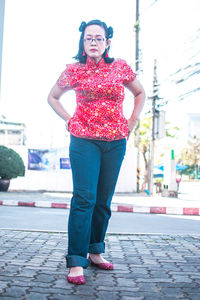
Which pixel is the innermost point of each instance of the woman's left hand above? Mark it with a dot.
(131, 124)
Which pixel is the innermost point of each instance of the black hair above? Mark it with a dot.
(109, 34)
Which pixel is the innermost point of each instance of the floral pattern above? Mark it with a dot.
(99, 94)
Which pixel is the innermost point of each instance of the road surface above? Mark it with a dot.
(56, 220)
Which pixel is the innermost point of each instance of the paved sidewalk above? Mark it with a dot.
(32, 266)
(135, 203)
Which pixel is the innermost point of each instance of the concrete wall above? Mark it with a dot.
(61, 180)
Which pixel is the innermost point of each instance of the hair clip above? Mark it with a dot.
(110, 32)
(82, 26)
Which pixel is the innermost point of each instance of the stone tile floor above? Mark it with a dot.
(32, 266)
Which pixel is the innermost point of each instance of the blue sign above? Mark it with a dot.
(65, 163)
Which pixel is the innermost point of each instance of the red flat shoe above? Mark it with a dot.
(103, 266)
(76, 279)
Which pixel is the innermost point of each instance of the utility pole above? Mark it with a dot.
(137, 71)
(137, 37)
(154, 98)
(2, 9)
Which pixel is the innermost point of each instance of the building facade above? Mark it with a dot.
(12, 133)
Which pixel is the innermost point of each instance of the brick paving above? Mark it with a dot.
(32, 267)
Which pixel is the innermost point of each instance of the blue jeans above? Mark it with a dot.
(95, 168)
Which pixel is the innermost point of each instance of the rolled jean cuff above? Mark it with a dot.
(77, 261)
(97, 248)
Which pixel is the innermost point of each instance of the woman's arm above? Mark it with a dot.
(53, 100)
(138, 91)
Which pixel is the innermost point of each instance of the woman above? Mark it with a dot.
(99, 132)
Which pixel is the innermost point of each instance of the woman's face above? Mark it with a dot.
(95, 42)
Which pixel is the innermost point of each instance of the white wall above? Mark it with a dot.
(61, 180)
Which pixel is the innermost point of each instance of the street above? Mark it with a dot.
(32, 218)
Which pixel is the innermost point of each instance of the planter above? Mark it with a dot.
(4, 185)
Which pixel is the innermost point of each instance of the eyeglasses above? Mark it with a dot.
(98, 40)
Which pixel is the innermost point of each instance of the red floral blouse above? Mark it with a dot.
(100, 94)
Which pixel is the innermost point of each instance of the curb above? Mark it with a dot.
(107, 233)
(190, 211)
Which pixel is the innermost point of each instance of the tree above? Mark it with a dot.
(11, 164)
(145, 131)
(144, 144)
(190, 155)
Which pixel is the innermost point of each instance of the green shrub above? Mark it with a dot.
(11, 164)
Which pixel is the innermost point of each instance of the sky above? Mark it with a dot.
(41, 37)
(171, 35)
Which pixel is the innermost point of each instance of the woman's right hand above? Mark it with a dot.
(67, 125)
(54, 100)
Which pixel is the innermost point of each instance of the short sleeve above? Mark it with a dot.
(67, 78)
(127, 73)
